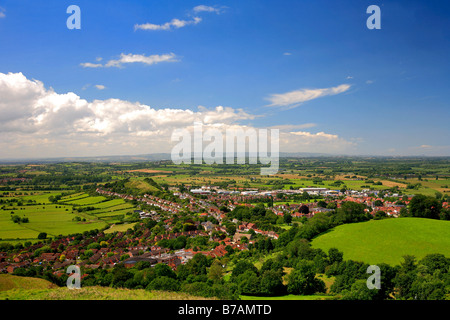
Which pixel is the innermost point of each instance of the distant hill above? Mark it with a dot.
(146, 185)
(167, 156)
(387, 240)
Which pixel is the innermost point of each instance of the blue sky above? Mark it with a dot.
(380, 92)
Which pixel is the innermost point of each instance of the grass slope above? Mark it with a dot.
(11, 282)
(24, 288)
(388, 240)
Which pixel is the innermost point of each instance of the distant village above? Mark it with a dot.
(64, 252)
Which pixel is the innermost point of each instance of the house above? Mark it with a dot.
(131, 262)
(49, 256)
(208, 226)
(238, 236)
(11, 268)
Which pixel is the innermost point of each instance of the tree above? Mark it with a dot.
(248, 283)
(304, 209)
(241, 267)
(335, 256)
(425, 207)
(272, 283)
(380, 214)
(198, 264)
(299, 248)
(120, 275)
(231, 228)
(405, 278)
(359, 291)
(272, 264)
(429, 286)
(322, 204)
(435, 261)
(42, 236)
(351, 212)
(302, 280)
(332, 205)
(346, 273)
(163, 270)
(378, 203)
(287, 218)
(215, 272)
(164, 283)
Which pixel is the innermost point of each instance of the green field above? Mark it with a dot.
(106, 210)
(58, 218)
(37, 196)
(84, 201)
(387, 240)
(49, 218)
(120, 227)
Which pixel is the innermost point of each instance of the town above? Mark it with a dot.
(211, 233)
(145, 248)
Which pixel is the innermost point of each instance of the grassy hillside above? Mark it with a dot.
(141, 185)
(388, 240)
(23, 288)
(10, 282)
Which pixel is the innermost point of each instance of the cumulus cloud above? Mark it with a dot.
(133, 58)
(174, 23)
(290, 127)
(203, 8)
(91, 65)
(321, 142)
(180, 23)
(295, 98)
(32, 115)
(36, 121)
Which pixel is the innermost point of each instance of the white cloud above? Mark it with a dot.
(428, 150)
(321, 142)
(290, 127)
(174, 23)
(297, 97)
(91, 65)
(38, 122)
(287, 54)
(100, 86)
(2, 13)
(66, 124)
(179, 23)
(203, 8)
(311, 135)
(133, 58)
